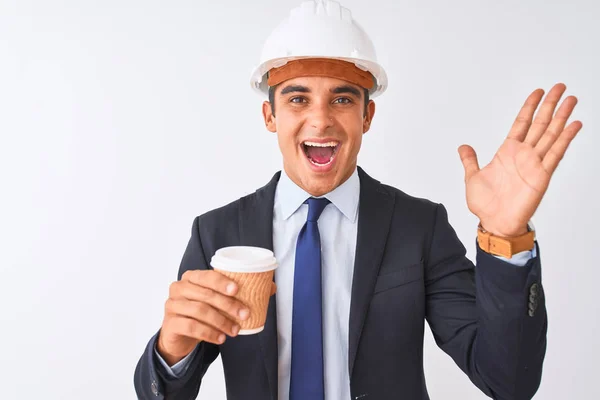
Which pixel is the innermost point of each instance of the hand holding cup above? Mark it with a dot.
(208, 305)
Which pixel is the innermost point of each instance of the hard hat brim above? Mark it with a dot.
(258, 80)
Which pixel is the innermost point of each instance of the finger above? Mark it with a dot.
(559, 148)
(544, 115)
(273, 289)
(212, 280)
(226, 304)
(556, 126)
(203, 313)
(195, 329)
(519, 129)
(469, 160)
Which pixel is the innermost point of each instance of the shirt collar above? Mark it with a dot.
(289, 197)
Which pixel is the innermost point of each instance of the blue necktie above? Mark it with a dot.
(306, 380)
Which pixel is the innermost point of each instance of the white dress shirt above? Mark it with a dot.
(338, 228)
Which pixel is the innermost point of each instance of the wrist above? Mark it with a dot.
(170, 358)
(504, 233)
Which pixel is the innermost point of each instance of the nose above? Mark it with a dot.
(320, 119)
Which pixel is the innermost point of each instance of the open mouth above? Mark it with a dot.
(320, 154)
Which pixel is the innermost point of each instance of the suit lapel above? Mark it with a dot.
(256, 229)
(374, 218)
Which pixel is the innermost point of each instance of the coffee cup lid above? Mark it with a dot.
(244, 259)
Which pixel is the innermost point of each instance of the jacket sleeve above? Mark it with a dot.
(490, 319)
(151, 380)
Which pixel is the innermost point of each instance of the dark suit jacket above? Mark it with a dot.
(410, 267)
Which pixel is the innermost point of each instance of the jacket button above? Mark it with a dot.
(533, 305)
(532, 298)
(534, 289)
(154, 388)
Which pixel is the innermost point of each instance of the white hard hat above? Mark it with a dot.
(319, 29)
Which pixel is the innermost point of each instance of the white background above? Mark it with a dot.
(120, 121)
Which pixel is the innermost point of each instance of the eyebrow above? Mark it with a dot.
(335, 90)
(295, 88)
(346, 89)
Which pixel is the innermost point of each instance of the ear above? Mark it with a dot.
(269, 117)
(368, 116)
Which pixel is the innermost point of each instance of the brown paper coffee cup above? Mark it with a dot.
(252, 268)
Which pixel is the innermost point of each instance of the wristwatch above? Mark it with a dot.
(505, 247)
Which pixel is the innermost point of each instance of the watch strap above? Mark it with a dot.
(505, 247)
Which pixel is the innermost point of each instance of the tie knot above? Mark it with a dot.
(315, 208)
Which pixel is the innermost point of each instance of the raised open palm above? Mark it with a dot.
(505, 193)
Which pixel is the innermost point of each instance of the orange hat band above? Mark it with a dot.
(321, 67)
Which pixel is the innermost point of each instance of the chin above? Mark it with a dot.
(316, 179)
(318, 184)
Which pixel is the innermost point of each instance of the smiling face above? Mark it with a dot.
(319, 123)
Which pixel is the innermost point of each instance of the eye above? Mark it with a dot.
(297, 99)
(343, 100)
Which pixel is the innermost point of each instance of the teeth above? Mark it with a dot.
(313, 144)
(329, 144)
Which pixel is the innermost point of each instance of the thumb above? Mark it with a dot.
(273, 289)
(469, 161)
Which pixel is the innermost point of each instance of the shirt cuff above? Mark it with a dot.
(179, 369)
(520, 259)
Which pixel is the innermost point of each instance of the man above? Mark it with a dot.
(386, 261)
